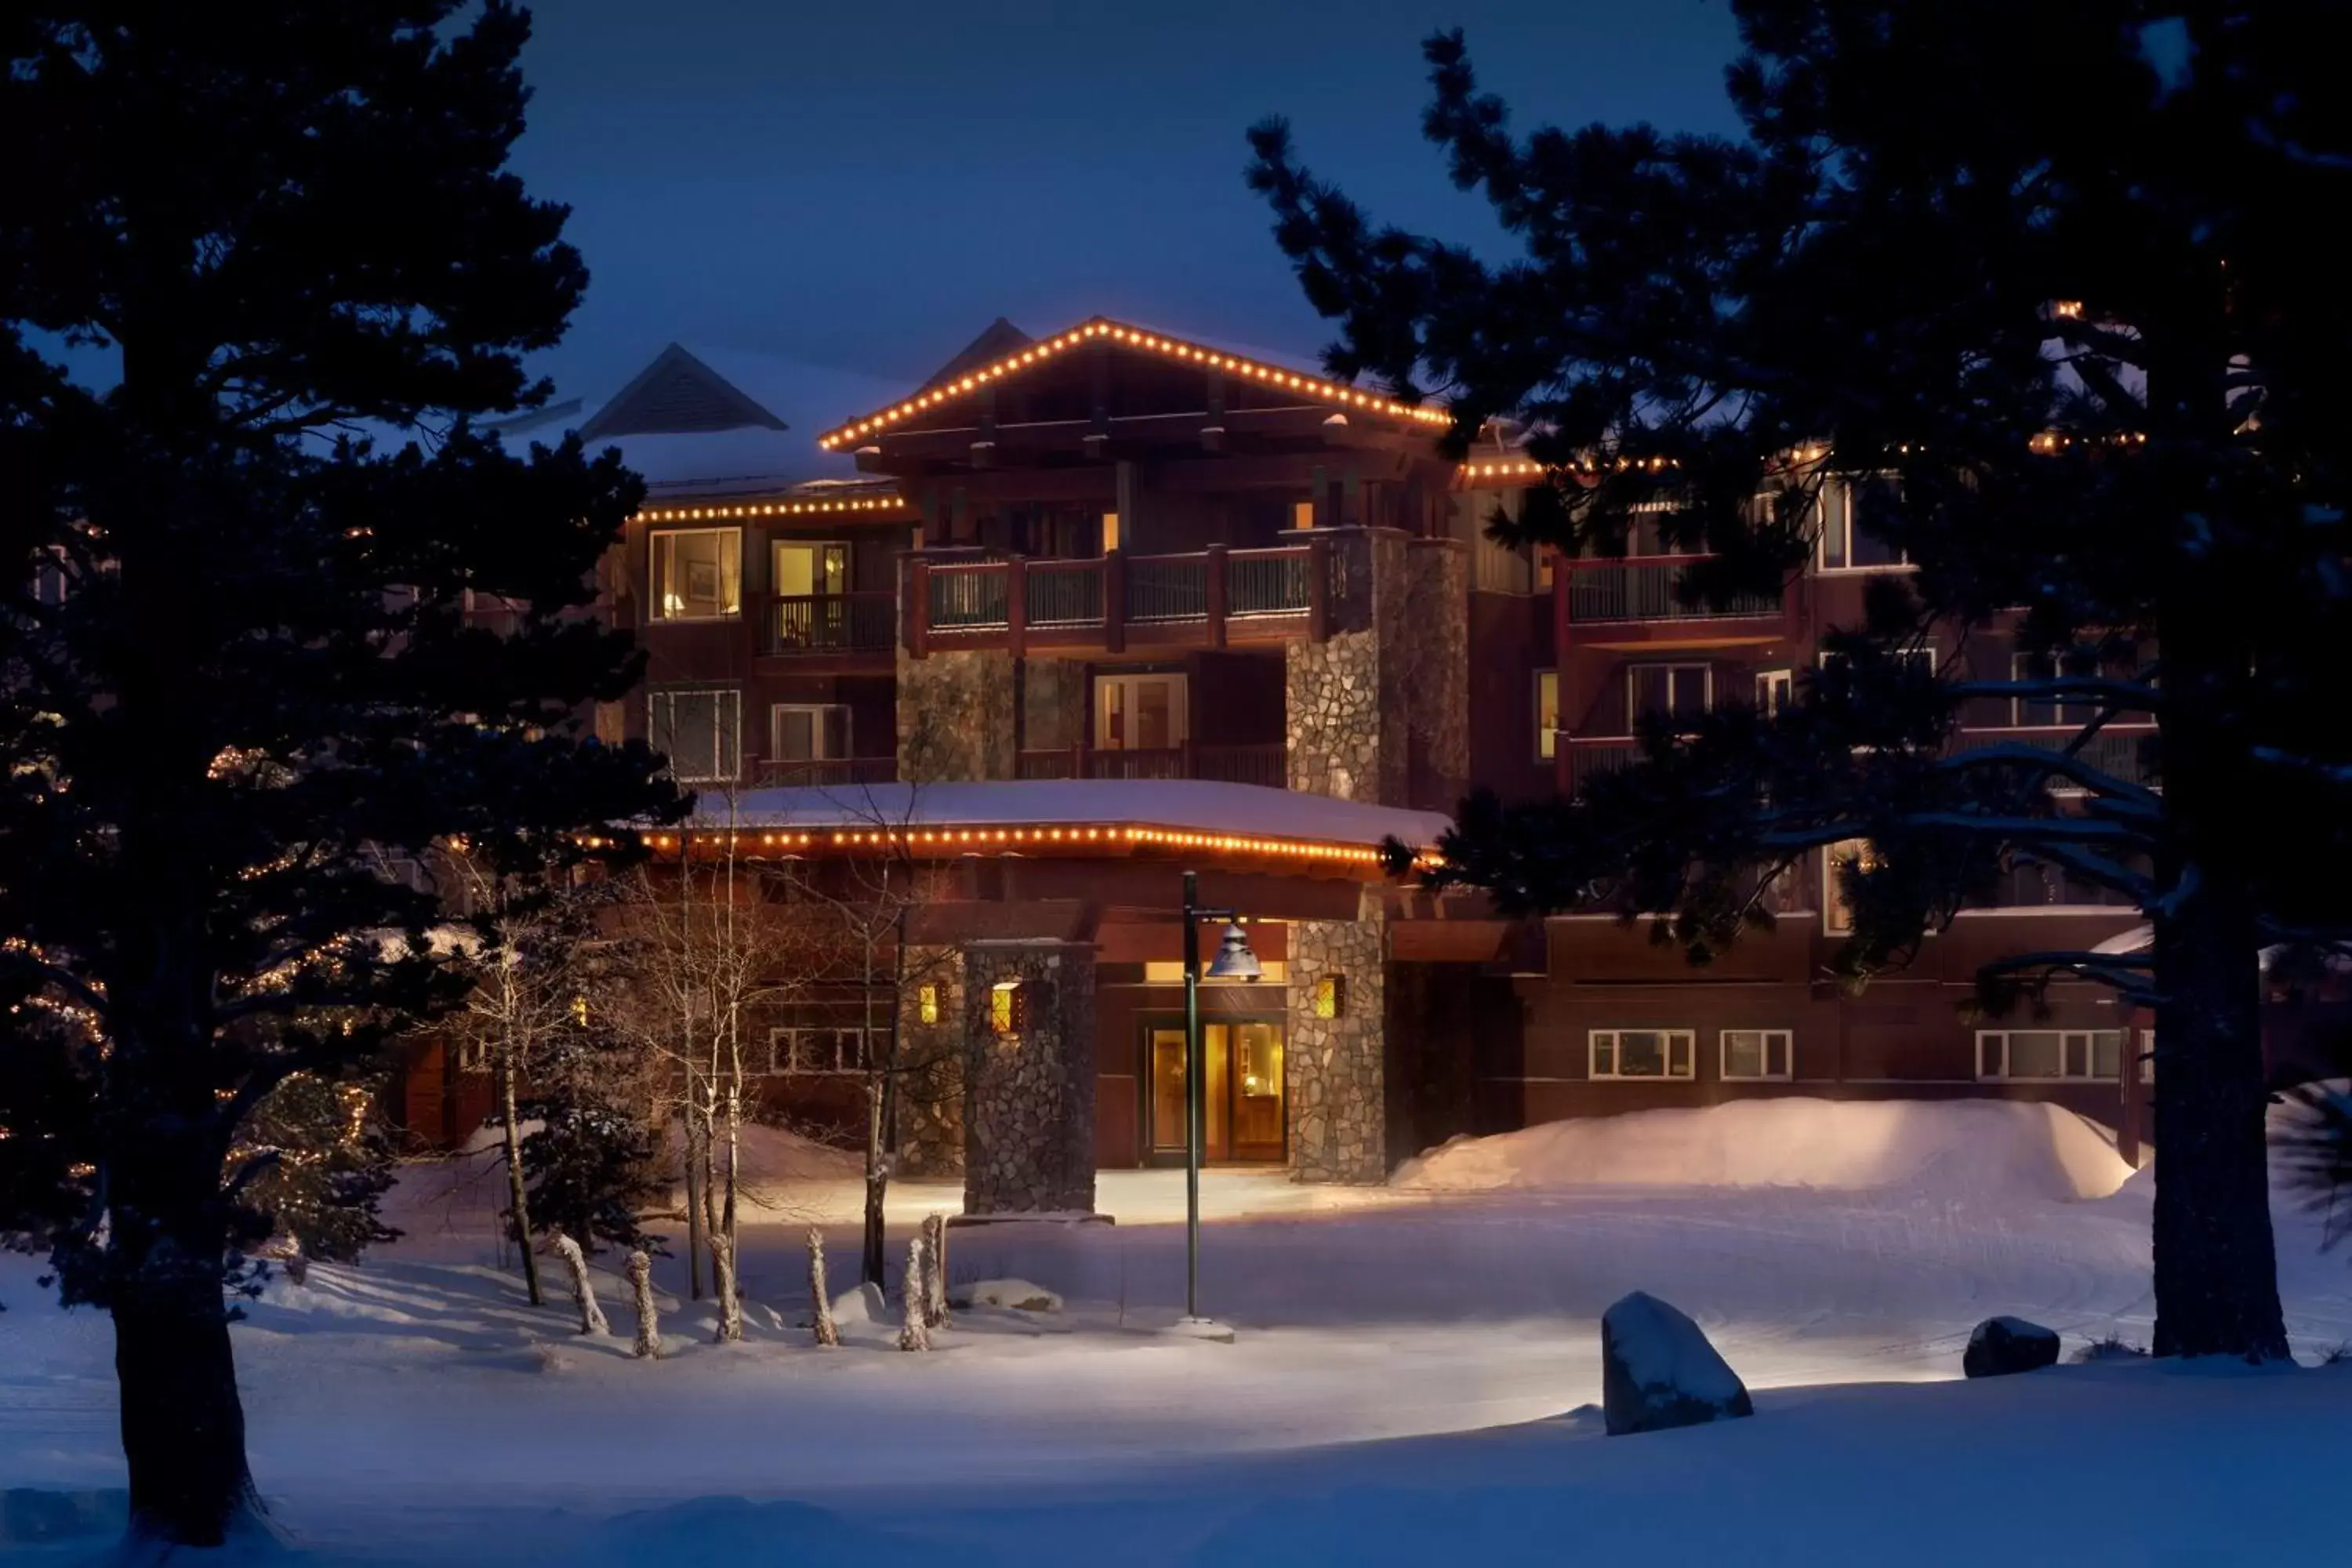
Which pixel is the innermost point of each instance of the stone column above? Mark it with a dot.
(1334, 1076)
(1436, 678)
(1345, 697)
(1029, 1096)
(955, 716)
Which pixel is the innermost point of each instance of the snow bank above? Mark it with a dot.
(1978, 1149)
(775, 1156)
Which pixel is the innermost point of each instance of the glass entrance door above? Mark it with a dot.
(1242, 1078)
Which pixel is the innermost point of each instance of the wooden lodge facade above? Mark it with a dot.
(1084, 611)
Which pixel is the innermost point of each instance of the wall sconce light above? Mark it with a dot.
(927, 1003)
(1008, 1008)
(1331, 997)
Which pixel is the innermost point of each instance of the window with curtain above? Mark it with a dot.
(698, 573)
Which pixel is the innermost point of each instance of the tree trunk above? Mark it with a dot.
(641, 1290)
(2216, 1267)
(913, 1333)
(517, 1200)
(583, 1288)
(731, 1305)
(871, 1263)
(694, 1237)
(828, 1334)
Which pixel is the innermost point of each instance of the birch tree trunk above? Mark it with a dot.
(641, 1282)
(695, 1235)
(518, 1199)
(935, 1271)
(584, 1289)
(827, 1332)
(731, 1305)
(912, 1334)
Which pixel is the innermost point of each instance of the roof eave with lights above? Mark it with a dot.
(1101, 330)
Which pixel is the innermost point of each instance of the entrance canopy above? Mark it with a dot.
(1086, 816)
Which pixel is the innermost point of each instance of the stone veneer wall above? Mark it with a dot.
(1053, 703)
(930, 1084)
(1345, 698)
(955, 716)
(1437, 673)
(1029, 1099)
(1333, 1071)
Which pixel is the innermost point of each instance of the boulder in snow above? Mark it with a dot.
(1011, 1295)
(1658, 1370)
(2002, 1345)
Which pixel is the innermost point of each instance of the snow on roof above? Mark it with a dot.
(1194, 805)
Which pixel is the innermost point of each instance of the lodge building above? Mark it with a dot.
(1084, 611)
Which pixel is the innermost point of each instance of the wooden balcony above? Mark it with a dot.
(1264, 764)
(1581, 757)
(772, 773)
(1210, 599)
(810, 625)
(1601, 591)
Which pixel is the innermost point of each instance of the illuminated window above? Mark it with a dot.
(927, 1003)
(1547, 714)
(698, 573)
(1302, 514)
(1170, 971)
(1755, 1055)
(1642, 1053)
(2050, 1055)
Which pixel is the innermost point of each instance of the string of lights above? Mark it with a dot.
(957, 841)
(1104, 329)
(777, 508)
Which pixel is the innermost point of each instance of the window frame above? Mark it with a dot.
(778, 545)
(1837, 916)
(1785, 1038)
(817, 711)
(787, 1057)
(656, 579)
(1782, 680)
(2065, 713)
(726, 695)
(1842, 513)
(1687, 1038)
(2067, 1039)
(1129, 683)
(1634, 670)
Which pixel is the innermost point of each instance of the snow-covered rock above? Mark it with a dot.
(1658, 1369)
(864, 1305)
(1010, 1295)
(2002, 1345)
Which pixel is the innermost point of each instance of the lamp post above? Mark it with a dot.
(1235, 961)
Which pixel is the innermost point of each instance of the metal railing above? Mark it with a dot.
(1266, 763)
(1168, 588)
(832, 623)
(1267, 582)
(1589, 755)
(780, 771)
(2125, 754)
(968, 595)
(1063, 593)
(1648, 593)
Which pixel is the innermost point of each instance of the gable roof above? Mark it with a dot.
(675, 394)
(996, 341)
(1032, 352)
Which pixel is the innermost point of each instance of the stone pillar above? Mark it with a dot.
(1436, 673)
(1334, 1077)
(1029, 1096)
(955, 716)
(930, 1084)
(1345, 698)
(1053, 703)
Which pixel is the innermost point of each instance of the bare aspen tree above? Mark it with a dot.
(641, 1282)
(584, 1289)
(730, 1303)
(821, 1303)
(912, 1333)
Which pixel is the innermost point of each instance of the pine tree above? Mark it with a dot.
(240, 662)
(2034, 286)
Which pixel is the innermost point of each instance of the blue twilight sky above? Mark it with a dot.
(864, 184)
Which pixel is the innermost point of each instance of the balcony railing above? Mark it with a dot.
(1257, 764)
(1589, 755)
(2125, 754)
(779, 772)
(1192, 600)
(832, 623)
(1647, 591)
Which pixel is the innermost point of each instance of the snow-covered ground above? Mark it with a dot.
(1409, 1382)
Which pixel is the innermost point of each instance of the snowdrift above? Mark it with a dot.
(1980, 1150)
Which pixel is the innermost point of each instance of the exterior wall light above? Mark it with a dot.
(1008, 1008)
(1331, 997)
(927, 1003)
